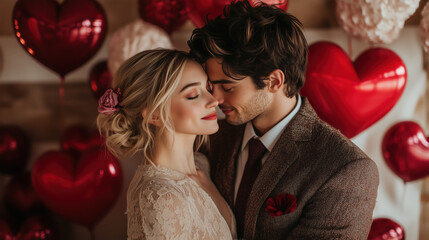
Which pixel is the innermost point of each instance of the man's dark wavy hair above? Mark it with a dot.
(253, 41)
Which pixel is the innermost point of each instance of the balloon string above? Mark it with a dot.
(349, 41)
(62, 85)
(402, 203)
(91, 232)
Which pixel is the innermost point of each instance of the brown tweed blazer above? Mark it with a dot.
(335, 183)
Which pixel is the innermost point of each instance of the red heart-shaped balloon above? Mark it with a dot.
(200, 10)
(60, 36)
(33, 228)
(77, 138)
(83, 190)
(14, 149)
(386, 229)
(100, 79)
(20, 197)
(38, 228)
(6, 232)
(406, 151)
(167, 14)
(353, 96)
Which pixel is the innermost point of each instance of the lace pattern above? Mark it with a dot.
(166, 204)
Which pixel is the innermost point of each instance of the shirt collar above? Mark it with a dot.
(269, 139)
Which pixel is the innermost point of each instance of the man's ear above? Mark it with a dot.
(155, 119)
(276, 80)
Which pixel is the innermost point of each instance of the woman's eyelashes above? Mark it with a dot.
(196, 96)
(193, 95)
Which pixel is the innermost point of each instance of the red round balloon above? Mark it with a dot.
(14, 149)
(353, 96)
(83, 190)
(100, 79)
(406, 151)
(77, 138)
(167, 14)
(38, 227)
(200, 10)
(386, 229)
(20, 197)
(60, 36)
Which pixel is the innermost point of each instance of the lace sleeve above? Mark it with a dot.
(165, 213)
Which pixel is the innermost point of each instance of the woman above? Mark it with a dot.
(161, 108)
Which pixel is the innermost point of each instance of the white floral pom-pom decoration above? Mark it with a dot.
(375, 21)
(424, 27)
(132, 39)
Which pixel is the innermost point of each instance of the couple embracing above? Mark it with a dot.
(270, 170)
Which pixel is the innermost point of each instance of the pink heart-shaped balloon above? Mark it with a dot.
(83, 190)
(60, 36)
(166, 14)
(353, 96)
(386, 229)
(406, 151)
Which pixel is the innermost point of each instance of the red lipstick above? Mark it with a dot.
(211, 116)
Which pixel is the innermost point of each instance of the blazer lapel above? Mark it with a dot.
(284, 153)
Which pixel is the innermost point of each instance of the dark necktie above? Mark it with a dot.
(253, 166)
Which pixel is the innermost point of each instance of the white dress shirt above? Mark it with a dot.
(269, 139)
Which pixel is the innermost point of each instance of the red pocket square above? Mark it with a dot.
(281, 204)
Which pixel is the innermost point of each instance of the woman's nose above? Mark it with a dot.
(213, 102)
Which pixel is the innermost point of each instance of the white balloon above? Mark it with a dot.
(132, 39)
(375, 21)
(424, 27)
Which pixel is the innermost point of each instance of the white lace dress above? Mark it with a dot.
(165, 204)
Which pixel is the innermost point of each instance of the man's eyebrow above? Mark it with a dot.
(190, 85)
(222, 81)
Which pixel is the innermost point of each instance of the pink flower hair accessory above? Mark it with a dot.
(109, 102)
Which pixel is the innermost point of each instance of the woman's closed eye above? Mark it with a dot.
(193, 95)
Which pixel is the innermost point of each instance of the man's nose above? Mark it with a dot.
(218, 95)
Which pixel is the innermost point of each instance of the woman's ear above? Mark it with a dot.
(276, 80)
(154, 118)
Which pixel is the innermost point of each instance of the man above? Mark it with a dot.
(286, 173)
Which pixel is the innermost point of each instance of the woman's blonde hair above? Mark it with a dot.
(146, 81)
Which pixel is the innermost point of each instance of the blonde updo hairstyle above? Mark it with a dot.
(146, 81)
